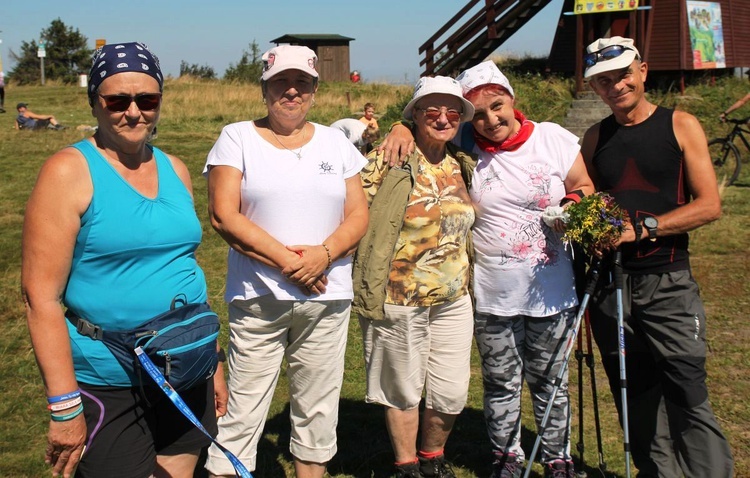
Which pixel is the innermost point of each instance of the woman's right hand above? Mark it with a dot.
(65, 445)
(397, 145)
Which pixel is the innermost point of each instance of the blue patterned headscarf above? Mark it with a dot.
(121, 57)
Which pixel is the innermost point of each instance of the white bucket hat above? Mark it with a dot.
(438, 85)
(288, 57)
(608, 54)
(485, 73)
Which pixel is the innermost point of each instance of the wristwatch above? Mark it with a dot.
(651, 224)
(222, 355)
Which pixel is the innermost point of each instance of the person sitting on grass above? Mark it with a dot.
(27, 119)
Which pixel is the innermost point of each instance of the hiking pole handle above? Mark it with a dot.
(618, 269)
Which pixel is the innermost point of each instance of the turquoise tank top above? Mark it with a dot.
(132, 256)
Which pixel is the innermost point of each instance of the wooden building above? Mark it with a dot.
(332, 51)
(661, 32)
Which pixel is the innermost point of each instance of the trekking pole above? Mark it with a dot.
(580, 447)
(590, 287)
(595, 400)
(621, 350)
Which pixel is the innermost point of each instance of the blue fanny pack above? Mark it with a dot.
(180, 342)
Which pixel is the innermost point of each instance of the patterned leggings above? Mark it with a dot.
(531, 348)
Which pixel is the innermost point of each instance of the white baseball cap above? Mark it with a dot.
(608, 54)
(289, 57)
(438, 85)
(485, 73)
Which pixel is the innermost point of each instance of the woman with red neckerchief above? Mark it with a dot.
(524, 285)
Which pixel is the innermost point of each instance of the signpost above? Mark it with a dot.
(42, 53)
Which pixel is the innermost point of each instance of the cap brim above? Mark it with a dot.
(279, 69)
(622, 61)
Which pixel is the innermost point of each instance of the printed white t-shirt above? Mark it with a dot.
(297, 201)
(521, 264)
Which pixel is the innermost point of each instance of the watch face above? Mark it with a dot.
(650, 222)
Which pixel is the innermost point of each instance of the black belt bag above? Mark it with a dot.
(181, 342)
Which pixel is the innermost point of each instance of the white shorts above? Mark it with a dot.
(420, 348)
(311, 336)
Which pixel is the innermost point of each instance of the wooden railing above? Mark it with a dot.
(479, 27)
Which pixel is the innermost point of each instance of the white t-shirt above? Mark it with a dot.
(297, 201)
(522, 266)
(352, 129)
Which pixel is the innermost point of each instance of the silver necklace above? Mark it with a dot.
(297, 153)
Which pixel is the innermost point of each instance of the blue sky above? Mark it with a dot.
(387, 33)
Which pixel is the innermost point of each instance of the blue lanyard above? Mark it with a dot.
(154, 372)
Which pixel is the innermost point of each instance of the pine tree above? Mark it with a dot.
(67, 56)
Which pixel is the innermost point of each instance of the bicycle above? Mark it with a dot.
(725, 155)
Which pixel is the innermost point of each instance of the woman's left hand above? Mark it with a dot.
(307, 269)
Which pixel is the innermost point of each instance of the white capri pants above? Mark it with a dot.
(420, 348)
(311, 336)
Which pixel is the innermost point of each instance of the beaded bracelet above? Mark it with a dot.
(64, 397)
(69, 416)
(60, 406)
(328, 253)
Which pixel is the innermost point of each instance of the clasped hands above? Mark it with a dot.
(307, 269)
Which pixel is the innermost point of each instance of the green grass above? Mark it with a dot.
(193, 116)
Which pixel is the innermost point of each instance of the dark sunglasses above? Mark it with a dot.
(608, 53)
(120, 103)
(434, 113)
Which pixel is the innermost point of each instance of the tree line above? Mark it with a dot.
(68, 55)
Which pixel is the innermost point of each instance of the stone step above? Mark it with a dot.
(594, 115)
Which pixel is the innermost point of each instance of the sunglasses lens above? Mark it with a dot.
(117, 103)
(613, 53)
(147, 102)
(590, 59)
(453, 115)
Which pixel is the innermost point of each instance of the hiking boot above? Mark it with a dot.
(436, 467)
(559, 469)
(408, 470)
(506, 466)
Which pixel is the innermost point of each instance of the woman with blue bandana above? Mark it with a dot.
(111, 232)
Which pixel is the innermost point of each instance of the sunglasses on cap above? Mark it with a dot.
(434, 113)
(120, 103)
(608, 53)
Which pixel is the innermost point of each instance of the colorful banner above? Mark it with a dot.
(603, 6)
(706, 34)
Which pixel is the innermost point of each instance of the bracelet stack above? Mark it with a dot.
(65, 402)
(328, 253)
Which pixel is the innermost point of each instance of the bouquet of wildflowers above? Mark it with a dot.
(595, 223)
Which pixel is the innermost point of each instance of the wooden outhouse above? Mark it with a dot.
(332, 51)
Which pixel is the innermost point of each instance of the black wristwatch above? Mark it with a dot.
(651, 224)
(222, 355)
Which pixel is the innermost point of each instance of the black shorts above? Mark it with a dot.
(125, 433)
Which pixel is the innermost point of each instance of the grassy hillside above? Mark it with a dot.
(192, 117)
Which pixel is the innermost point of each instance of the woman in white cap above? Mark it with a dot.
(286, 195)
(411, 280)
(524, 284)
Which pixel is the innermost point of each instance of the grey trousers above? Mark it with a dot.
(672, 427)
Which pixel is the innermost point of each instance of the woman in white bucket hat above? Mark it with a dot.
(411, 281)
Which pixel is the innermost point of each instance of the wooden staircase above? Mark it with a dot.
(477, 30)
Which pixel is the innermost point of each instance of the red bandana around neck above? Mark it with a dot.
(513, 142)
